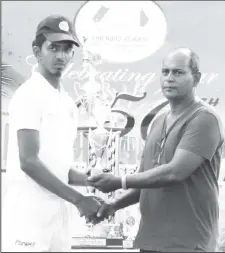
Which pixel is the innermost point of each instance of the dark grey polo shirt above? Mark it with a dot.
(184, 216)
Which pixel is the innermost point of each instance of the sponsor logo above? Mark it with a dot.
(121, 31)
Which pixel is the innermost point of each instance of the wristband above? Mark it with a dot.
(124, 182)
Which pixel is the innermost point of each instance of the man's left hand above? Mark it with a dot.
(105, 182)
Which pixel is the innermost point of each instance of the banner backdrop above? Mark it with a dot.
(196, 24)
(199, 25)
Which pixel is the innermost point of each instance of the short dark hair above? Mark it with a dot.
(39, 40)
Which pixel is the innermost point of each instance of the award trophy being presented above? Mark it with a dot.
(103, 141)
(103, 137)
(118, 36)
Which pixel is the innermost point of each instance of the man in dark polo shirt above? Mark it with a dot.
(177, 181)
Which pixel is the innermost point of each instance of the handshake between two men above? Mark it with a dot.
(94, 208)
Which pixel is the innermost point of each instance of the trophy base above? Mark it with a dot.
(101, 243)
(102, 236)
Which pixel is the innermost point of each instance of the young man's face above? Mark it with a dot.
(177, 79)
(55, 56)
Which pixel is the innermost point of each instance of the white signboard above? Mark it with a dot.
(121, 31)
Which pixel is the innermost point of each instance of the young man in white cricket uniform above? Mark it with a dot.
(43, 126)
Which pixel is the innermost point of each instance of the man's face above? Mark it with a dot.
(177, 79)
(55, 56)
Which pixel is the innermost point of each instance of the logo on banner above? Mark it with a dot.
(121, 31)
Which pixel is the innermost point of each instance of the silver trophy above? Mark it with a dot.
(103, 141)
(103, 137)
(102, 133)
(98, 105)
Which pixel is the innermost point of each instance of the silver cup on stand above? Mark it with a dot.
(103, 141)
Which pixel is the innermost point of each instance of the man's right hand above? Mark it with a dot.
(88, 206)
(106, 210)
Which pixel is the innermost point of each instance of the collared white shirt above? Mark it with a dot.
(37, 105)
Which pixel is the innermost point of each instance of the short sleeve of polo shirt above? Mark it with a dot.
(202, 135)
(25, 111)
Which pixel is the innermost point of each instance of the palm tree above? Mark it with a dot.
(10, 80)
(5, 81)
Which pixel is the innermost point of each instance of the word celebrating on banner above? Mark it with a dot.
(120, 75)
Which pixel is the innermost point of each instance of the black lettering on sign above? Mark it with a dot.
(212, 101)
